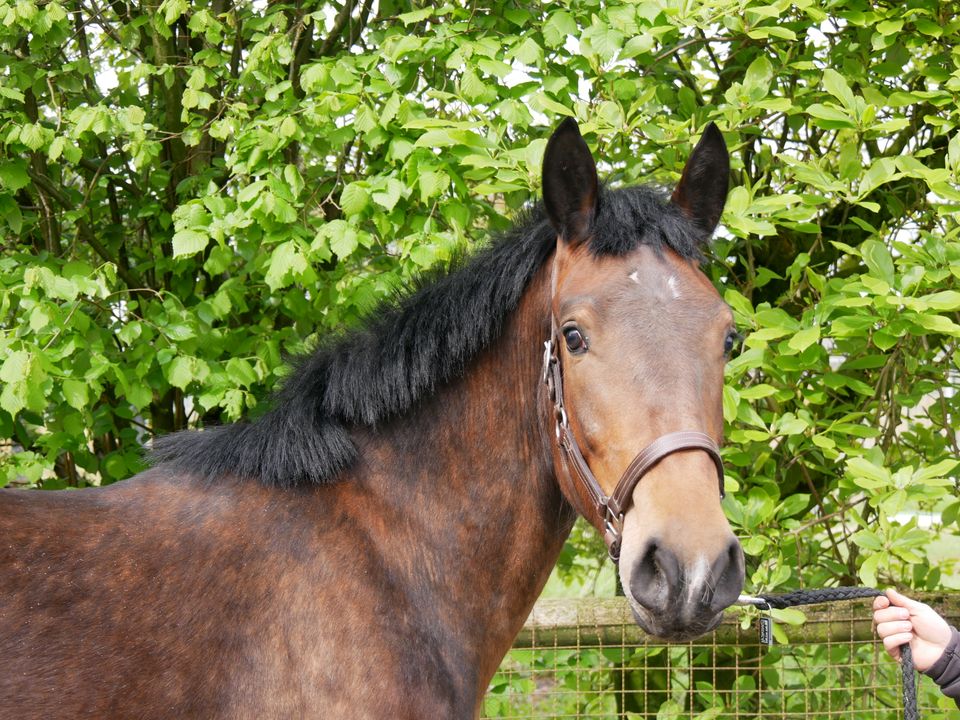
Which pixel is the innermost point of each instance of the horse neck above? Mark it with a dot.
(470, 475)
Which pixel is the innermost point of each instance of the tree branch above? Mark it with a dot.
(339, 23)
(83, 229)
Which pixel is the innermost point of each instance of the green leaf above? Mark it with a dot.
(433, 184)
(179, 332)
(867, 475)
(424, 254)
(790, 616)
(830, 117)
(768, 31)
(868, 570)
(603, 40)
(940, 469)
(638, 45)
(882, 171)
(53, 284)
(867, 539)
(286, 262)
(13, 175)
(313, 76)
(16, 366)
(11, 93)
(354, 199)
(292, 175)
(879, 260)
(416, 16)
(190, 99)
(789, 424)
(740, 305)
(944, 300)
(835, 84)
(134, 116)
(890, 27)
(189, 242)
(389, 193)
(545, 103)
(138, 395)
(172, 10)
(344, 243)
(756, 80)
(13, 397)
(32, 136)
(56, 148)
(756, 392)
(851, 163)
(75, 393)
(234, 402)
(472, 87)
(180, 371)
(289, 127)
(528, 52)
(559, 25)
(804, 338)
(793, 505)
(937, 324)
(241, 372)
(731, 402)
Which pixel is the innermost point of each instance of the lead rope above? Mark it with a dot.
(825, 595)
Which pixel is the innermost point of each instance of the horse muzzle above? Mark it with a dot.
(680, 601)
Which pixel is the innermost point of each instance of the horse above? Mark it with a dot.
(371, 544)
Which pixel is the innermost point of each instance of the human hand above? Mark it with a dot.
(900, 620)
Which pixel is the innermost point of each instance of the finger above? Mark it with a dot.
(893, 642)
(899, 627)
(890, 614)
(880, 602)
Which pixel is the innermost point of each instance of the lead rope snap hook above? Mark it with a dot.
(765, 621)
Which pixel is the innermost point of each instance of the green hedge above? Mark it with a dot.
(188, 191)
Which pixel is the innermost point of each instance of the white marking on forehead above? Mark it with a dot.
(672, 284)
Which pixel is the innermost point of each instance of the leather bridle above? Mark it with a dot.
(610, 510)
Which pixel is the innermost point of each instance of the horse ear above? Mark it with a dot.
(570, 187)
(702, 190)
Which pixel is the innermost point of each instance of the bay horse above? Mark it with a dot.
(371, 545)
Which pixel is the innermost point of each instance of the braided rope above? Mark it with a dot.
(825, 595)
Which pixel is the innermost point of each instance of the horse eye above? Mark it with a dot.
(732, 341)
(576, 343)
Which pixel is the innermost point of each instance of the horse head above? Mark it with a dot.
(634, 370)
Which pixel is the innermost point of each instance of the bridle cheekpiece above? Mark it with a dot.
(610, 510)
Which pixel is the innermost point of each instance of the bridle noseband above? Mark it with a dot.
(611, 509)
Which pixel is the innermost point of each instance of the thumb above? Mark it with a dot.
(903, 601)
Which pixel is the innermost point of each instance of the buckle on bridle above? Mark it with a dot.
(548, 357)
(560, 426)
(612, 528)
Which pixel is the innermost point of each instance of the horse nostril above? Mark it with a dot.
(655, 577)
(728, 573)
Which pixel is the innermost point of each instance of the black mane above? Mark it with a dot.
(408, 347)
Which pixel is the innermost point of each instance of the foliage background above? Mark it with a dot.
(191, 189)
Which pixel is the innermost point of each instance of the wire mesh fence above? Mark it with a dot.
(587, 659)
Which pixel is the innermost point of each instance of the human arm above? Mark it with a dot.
(946, 671)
